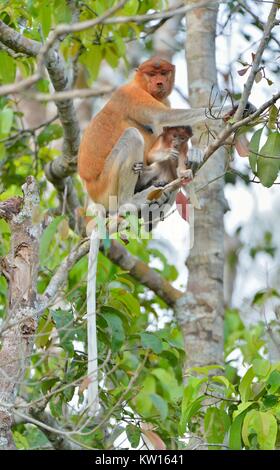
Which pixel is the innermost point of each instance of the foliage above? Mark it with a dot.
(239, 412)
(141, 364)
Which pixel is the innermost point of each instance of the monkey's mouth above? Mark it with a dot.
(160, 92)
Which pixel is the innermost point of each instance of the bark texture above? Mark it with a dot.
(21, 270)
(200, 312)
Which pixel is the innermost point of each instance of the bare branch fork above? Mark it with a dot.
(256, 61)
(230, 128)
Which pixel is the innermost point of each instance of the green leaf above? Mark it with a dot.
(168, 382)
(261, 297)
(206, 369)
(264, 425)
(235, 441)
(47, 238)
(149, 384)
(51, 132)
(125, 302)
(65, 328)
(45, 327)
(131, 7)
(92, 58)
(224, 381)
(261, 367)
(273, 113)
(122, 283)
(7, 68)
(268, 163)
(111, 57)
(47, 384)
(133, 435)
(151, 341)
(191, 401)
(62, 12)
(56, 406)
(20, 441)
(193, 408)
(216, 424)
(269, 401)
(254, 149)
(245, 385)
(144, 404)
(100, 6)
(43, 85)
(6, 121)
(116, 330)
(2, 156)
(45, 17)
(274, 381)
(242, 407)
(160, 404)
(120, 45)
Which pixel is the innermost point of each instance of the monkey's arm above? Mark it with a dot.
(141, 107)
(183, 117)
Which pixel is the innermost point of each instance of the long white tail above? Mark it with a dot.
(93, 400)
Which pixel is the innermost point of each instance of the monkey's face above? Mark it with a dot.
(159, 83)
(177, 135)
(156, 76)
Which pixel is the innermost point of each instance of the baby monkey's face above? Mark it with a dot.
(177, 135)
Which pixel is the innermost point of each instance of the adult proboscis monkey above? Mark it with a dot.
(118, 139)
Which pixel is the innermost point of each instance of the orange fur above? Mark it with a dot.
(132, 105)
(171, 138)
(167, 159)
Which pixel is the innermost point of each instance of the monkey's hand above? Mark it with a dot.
(174, 154)
(249, 109)
(138, 168)
(186, 175)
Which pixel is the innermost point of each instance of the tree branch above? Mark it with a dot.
(70, 94)
(230, 128)
(119, 255)
(65, 165)
(256, 62)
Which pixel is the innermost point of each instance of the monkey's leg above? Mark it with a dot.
(145, 179)
(131, 161)
(120, 172)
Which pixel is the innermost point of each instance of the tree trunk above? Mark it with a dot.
(17, 331)
(200, 312)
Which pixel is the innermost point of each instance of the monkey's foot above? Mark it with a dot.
(186, 177)
(138, 167)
